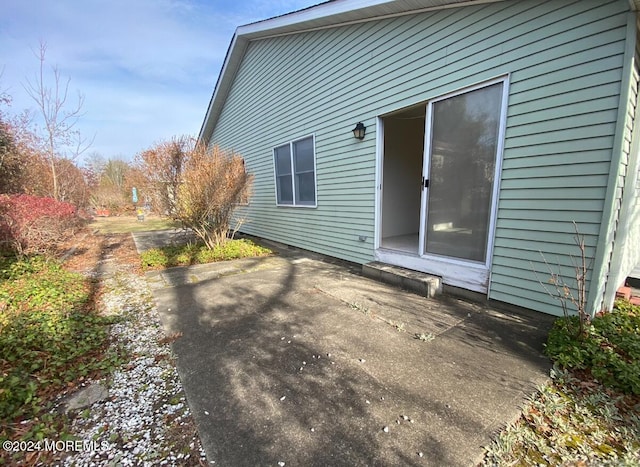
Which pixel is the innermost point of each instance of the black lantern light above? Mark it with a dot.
(359, 131)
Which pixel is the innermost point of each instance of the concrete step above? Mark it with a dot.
(414, 281)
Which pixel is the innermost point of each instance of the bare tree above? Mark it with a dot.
(61, 139)
(111, 185)
(162, 167)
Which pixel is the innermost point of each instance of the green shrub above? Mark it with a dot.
(155, 258)
(610, 349)
(47, 339)
(186, 255)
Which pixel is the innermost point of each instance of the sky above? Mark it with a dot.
(146, 68)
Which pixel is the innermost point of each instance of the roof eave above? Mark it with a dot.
(234, 53)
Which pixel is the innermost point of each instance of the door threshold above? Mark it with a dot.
(398, 252)
(468, 276)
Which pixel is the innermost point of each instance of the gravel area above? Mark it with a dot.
(144, 419)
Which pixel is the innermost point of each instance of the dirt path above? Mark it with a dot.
(145, 417)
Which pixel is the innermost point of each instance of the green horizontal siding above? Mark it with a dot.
(543, 215)
(523, 273)
(562, 227)
(555, 194)
(564, 59)
(580, 167)
(553, 245)
(550, 162)
(561, 130)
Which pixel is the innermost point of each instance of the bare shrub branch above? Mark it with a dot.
(195, 186)
(572, 298)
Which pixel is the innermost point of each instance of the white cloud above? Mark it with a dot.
(146, 67)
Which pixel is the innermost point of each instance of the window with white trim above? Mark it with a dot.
(295, 172)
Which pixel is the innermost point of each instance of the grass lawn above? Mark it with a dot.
(128, 224)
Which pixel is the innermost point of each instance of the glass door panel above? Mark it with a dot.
(460, 171)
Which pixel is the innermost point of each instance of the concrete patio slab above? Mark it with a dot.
(296, 360)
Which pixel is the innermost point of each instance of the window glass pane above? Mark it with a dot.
(285, 190)
(283, 160)
(303, 155)
(295, 173)
(284, 187)
(305, 189)
(303, 168)
(464, 139)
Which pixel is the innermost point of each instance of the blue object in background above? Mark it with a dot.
(135, 194)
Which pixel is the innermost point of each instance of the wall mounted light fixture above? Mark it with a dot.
(359, 131)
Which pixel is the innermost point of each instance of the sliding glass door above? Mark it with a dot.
(461, 150)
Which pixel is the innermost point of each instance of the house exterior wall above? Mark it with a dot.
(565, 62)
(625, 249)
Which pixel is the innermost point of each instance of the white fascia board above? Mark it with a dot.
(320, 11)
(232, 59)
(341, 12)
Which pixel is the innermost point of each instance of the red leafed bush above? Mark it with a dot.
(33, 224)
